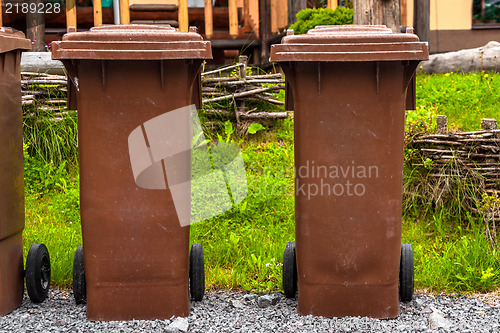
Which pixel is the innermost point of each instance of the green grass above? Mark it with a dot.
(452, 258)
(464, 98)
(244, 246)
(54, 219)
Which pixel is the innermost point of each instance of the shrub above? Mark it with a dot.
(310, 17)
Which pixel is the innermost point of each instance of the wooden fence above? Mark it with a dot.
(474, 151)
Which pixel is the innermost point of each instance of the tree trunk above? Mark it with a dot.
(294, 6)
(35, 25)
(374, 12)
(421, 17)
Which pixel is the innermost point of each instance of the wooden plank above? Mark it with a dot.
(283, 14)
(372, 12)
(209, 19)
(183, 16)
(35, 26)
(294, 6)
(421, 17)
(124, 12)
(233, 18)
(404, 12)
(70, 15)
(274, 16)
(246, 13)
(332, 4)
(97, 13)
(153, 8)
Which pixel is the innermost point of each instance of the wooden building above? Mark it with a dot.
(457, 24)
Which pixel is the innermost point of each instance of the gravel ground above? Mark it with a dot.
(228, 311)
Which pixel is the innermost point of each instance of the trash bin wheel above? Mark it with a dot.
(290, 270)
(406, 273)
(197, 272)
(38, 273)
(79, 284)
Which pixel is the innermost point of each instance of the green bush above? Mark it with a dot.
(310, 17)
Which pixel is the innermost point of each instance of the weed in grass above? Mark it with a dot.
(52, 140)
(489, 207)
(429, 189)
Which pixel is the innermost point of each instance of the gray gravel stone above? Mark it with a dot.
(179, 325)
(217, 314)
(437, 320)
(267, 300)
(236, 303)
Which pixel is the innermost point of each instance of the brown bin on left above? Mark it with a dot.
(12, 43)
(135, 262)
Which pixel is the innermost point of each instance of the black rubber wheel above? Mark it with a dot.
(406, 273)
(38, 273)
(79, 284)
(290, 270)
(197, 272)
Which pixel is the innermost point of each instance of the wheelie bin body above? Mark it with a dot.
(11, 170)
(348, 86)
(135, 250)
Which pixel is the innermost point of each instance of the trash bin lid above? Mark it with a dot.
(350, 43)
(12, 39)
(132, 42)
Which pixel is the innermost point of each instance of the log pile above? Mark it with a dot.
(477, 152)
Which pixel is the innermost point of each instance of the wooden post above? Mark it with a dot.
(332, 4)
(441, 124)
(35, 26)
(243, 59)
(70, 15)
(97, 13)
(124, 12)
(183, 16)
(489, 124)
(233, 18)
(421, 18)
(372, 12)
(209, 19)
(264, 29)
(294, 6)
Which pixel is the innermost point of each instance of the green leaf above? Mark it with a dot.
(255, 127)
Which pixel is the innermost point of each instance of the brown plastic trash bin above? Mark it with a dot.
(12, 43)
(135, 252)
(348, 85)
